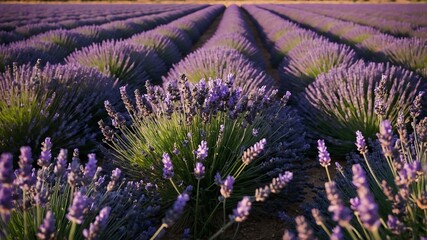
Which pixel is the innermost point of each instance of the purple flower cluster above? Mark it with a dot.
(341, 214)
(167, 166)
(6, 183)
(47, 230)
(241, 213)
(199, 171)
(324, 158)
(173, 214)
(78, 208)
(227, 186)
(365, 206)
(98, 225)
(253, 152)
(202, 151)
(46, 155)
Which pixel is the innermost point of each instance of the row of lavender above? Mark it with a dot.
(16, 30)
(149, 55)
(337, 88)
(412, 26)
(348, 101)
(410, 53)
(54, 46)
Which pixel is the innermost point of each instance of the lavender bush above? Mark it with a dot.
(163, 46)
(56, 101)
(220, 62)
(129, 63)
(357, 98)
(311, 58)
(384, 194)
(178, 36)
(198, 135)
(73, 201)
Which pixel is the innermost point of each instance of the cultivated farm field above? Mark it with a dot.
(205, 121)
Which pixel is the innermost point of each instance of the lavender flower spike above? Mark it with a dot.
(98, 225)
(281, 181)
(241, 213)
(367, 208)
(90, 169)
(250, 154)
(167, 166)
(46, 155)
(303, 229)
(385, 137)
(6, 169)
(6, 201)
(178, 207)
(61, 163)
(199, 171)
(26, 178)
(337, 233)
(115, 175)
(78, 208)
(324, 158)
(47, 229)
(202, 151)
(341, 214)
(227, 187)
(360, 143)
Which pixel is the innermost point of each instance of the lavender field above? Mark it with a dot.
(191, 121)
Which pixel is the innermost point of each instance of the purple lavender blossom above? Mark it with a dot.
(416, 106)
(254, 132)
(385, 136)
(337, 233)
(288, 235)
(6, 201)
(61, 163)
(360, 142)
(46, 155)
(342, 214)
(178, 208)
(303, 229)
(115, 175)
(78, 208)
(199, 171)
(318, 218)
(26, 178)
(167, 166)
(367, 209)
(324, 158)
(280, 182)
(47, 230)
(241, 213)
(98, 225)
(250, 154)
(218, 179)
(74, 173)
(395, 225)
(261, 194)
(6, 169)
(90, 169)
(227, 187)
(202, 151)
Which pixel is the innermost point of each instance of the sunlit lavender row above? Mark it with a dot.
(195, 121)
